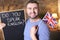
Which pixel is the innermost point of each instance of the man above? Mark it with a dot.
(35, 28)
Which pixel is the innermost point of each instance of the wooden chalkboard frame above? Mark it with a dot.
(9, 12)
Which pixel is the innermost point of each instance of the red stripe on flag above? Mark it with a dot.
(50, 20)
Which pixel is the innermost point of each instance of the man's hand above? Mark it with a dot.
(33, 32)
(2, 25)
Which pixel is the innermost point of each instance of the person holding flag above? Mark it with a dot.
(35, 28)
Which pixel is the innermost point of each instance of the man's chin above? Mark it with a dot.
(33, 17)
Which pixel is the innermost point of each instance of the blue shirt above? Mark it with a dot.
(43, 31)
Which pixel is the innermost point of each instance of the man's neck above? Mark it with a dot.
(34, 20)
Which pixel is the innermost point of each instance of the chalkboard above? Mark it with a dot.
(15, 23)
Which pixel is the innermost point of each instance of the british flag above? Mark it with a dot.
(49, 20)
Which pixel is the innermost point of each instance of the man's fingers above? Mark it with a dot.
(2, 25)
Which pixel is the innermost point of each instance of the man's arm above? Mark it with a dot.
(33, 32)
(43, 32)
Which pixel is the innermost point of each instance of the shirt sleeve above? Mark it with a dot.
(43, 31)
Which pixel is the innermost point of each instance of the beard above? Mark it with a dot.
(33, 17)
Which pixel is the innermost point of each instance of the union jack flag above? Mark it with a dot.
(49, 20)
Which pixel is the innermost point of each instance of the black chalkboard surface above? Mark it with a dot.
(14, 21)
